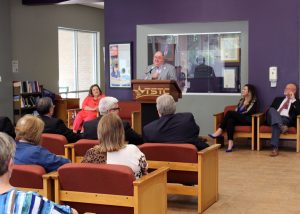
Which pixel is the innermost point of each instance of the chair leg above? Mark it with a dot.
(258, 144)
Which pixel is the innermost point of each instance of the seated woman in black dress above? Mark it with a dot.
(241, 116)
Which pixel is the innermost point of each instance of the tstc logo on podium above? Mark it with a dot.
(143, 92)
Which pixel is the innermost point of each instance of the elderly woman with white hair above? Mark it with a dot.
(14, 201)
(110, 105)
(172, 127)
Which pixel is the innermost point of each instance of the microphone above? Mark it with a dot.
(150, 70)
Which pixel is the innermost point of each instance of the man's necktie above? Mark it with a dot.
(285, 105)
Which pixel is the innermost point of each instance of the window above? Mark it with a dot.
(78, 62)
(204, 62)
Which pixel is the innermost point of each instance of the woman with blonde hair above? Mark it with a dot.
(28, 135)
(113, 149)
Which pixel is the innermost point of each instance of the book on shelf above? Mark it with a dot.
(28, 86)
(17, 98)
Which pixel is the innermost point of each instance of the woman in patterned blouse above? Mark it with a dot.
(113, 149)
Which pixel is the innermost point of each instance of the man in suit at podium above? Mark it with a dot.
(53, 125)
(171, 127)
(160, 70)
(110, 105)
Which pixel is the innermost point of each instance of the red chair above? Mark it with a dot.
(31, 178)
(126, 109)
(239, 131)
(191, 172)
(78, 149)
(265, 132)
(131, 112)
(55, 143)
(105, 188)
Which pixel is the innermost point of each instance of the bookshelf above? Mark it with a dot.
(25, 96)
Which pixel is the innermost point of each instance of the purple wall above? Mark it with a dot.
(273, 33)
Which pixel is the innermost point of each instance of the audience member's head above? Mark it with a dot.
(158, 59)
(165, 104)
(290, 88)
(108, 104)
(7, 152)
(45, 106)
(249, 90)
(95, 91)
(7, 126)
(29, 128)
(111, 133)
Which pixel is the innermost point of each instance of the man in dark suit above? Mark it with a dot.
(108, 105)
(171, 127)
(7, 126)
(53, 125)
(204, 71)
(282, 114)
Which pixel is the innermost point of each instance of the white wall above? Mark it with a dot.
(5, 60)
(35, 37)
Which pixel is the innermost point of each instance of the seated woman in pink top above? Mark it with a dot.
(89, 107)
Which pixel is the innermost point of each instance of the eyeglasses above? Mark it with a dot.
(115, 109)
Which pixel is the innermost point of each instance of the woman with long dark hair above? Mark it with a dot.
(240, 116)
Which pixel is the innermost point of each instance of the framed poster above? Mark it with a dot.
(230, 49)
(168, 51)
(120, 65)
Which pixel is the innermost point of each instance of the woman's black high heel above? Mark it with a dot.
(230, 150)
(215, 137)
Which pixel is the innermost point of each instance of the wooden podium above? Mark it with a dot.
(146, 92)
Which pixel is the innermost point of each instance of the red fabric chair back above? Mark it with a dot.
(126, 107)
(27, 176)
(54, 143)
(229, 108)
(97, 178)
(83, 145)
(186, 153)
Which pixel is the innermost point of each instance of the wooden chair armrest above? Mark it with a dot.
(209, 149)
(218, 114)
(150, 192)
(69, 146)
(146, 178)
(258, 114)
(208, 176)
(260, 118)
(50, 175)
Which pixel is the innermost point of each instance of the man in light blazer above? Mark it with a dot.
(160, 70)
